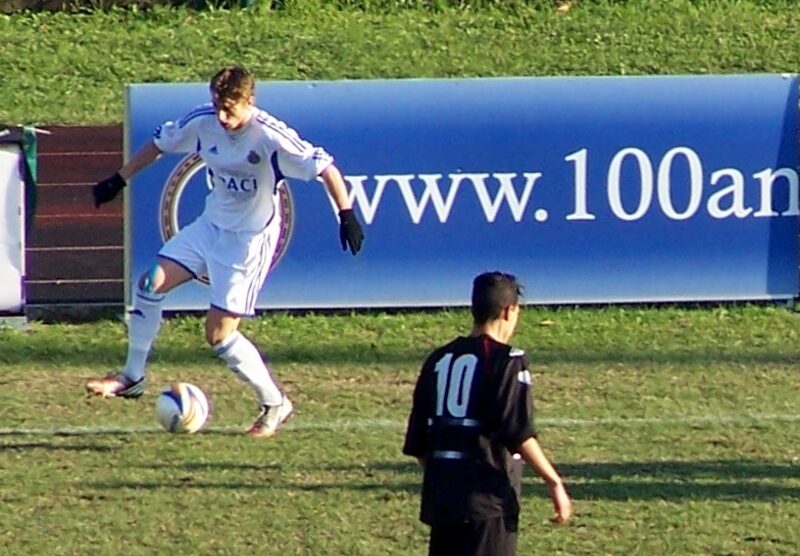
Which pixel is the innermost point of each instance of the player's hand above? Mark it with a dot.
(350, 232)
(107, 189)
(561, 502)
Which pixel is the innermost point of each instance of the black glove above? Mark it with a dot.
(350, 232)
(107, 189)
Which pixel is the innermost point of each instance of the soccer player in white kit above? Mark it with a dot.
(247, 152)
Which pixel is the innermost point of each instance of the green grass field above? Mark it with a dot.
(62, 68)
(675, 428)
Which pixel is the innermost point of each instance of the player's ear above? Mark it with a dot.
(509, 311)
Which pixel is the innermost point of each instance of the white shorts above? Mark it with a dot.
(236, 263)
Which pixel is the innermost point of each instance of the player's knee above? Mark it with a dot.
(214, 334)
(219, 325)
(151, 281)
(212, 339)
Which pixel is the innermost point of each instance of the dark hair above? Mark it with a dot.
(232, 83)
(491, 293)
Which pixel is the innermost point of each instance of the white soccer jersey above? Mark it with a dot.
(243, 167)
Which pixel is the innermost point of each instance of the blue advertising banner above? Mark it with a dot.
(590, 189)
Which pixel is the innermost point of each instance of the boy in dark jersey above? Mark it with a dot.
(471, 426)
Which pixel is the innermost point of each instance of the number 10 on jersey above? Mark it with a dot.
(454, 383)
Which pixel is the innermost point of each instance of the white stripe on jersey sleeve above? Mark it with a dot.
(181, 137)
(201, 110)
(523, 376)
(282, 133)
(297, 158)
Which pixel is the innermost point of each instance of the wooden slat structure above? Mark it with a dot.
(74, 252)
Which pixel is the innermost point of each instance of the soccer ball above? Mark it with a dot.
(182, 407)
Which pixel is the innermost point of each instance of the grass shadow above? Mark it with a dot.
(730, 480)
(673, 491)
(679, 480)
(682, 470)
(209, 466)
(52, 447)
(267, 484)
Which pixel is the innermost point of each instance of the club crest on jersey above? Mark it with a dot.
(253, 158)
(188, 172)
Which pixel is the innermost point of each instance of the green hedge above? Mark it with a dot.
(378, 6)
(71, 68)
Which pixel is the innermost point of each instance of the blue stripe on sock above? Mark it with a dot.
(222, 348)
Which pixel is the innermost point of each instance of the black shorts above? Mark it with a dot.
(491, 537)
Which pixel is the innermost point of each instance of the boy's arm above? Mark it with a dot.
(334, 183)
(142, 158)
(531, 451)
(105, 190)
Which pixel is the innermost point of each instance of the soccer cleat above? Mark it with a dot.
(116, 385)
(270, 419)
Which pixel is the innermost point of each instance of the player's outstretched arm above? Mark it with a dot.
(350, 233)
(105, 190)
(531, 451)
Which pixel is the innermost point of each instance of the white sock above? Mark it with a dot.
(245, 361)
(145, 320)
